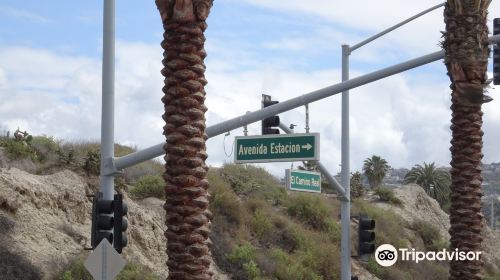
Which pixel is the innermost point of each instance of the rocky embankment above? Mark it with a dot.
(45, 224)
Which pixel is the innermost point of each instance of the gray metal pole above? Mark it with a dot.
(322, 168)
(214, 130)
(382, 33)
(345, 210)
(108, 98)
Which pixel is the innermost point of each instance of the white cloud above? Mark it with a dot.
(404, 119)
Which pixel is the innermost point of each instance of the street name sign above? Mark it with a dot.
(104, 263)
(272, 148)
(301, 180)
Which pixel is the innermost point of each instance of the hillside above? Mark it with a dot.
(259, 230)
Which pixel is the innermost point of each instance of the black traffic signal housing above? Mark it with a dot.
(120, 223)
(102, 220)
(269, 123)
(496, 53)
(366, 236)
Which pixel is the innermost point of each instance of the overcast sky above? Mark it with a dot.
(50, 74)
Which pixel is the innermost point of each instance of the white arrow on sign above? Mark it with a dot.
(104, 263)
(307, 146)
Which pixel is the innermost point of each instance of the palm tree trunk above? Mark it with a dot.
(187, 214)
(466, 59)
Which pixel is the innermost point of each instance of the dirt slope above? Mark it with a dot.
(45, 223)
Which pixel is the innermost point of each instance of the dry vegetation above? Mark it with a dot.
(259, 231)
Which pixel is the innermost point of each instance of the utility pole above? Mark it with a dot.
(345, 210)
(107, 180)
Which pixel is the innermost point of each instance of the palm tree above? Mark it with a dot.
(375, 169)
(435, 182)
(187, 215)
(466, 59)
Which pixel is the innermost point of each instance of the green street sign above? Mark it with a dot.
(270, 148)
(305, 181)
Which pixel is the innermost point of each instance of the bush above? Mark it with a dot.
(134, 173)
(252, 270)
(387, 194)
(18, 149)
(223, 202)
(290, 267)
(248, 180)
(134, 271)
(333, 229)
(310, 209)
(242, 254)
(260, 224)
(131, 271)
(92, 163)
(357, 189)
(388, 224)
(244, 257)
(149, 185)
(430, 235)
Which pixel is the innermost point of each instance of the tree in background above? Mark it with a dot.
(187, 214)
(466, 50)
(435, 182)
(375, 169)
(357, 189)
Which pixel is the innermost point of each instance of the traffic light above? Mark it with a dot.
(108, 221)
(102, 220)
(120, 224)
(496, 53)
(366, 236)
(269, 123)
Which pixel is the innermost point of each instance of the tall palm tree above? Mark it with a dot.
(187, 215)
(375, 169)
(466, 58)
(435, 182)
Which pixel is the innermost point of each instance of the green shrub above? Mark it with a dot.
(260, 224)
(133, 173)
(249, 180)
(66, 157)
(373, 267)
(291, 267)
(92, 163)
(357, 189)
(242, 254)
(333, 229)
(387, 194)
(132, 271)
(224, 203)
(75, 271)
(149, 185)
(251, 269)
(18, 149)
(388, 224)
(310, 209)
(430, 235)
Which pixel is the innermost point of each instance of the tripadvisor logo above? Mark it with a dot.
(387, 255)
